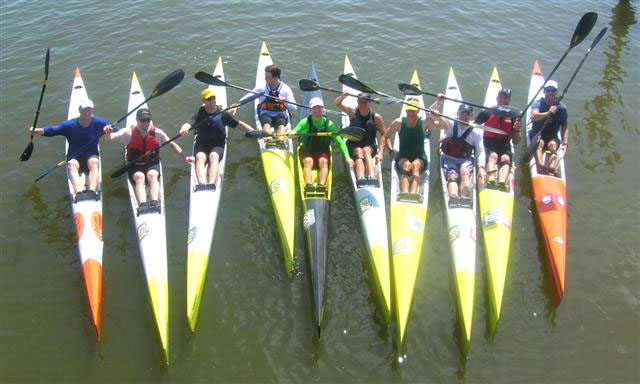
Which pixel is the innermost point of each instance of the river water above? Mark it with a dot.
(255, 324)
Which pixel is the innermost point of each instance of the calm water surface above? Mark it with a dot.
(255, 324)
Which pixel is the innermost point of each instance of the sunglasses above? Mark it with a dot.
(466, 112)
(550, 90)
(145, 120)
(210, 98)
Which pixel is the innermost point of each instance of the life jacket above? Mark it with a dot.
(270, 104)
(317, 143)
(503, 123)
(138, 146)
(368, 124)
(457, 146)
(213, 131)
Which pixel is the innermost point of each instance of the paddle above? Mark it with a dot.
(207, 78)
(354, 83)
(583, 28)
(123, 169)
(167, 83)
(349, 133)
(26, 154)
(531, 149)
(308, 85)
(501, 110)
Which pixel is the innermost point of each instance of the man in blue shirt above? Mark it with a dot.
(548, 108)
(79, 132)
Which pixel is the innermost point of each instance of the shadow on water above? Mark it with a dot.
(594, 137)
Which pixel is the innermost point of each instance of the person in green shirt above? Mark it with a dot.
(316, 150)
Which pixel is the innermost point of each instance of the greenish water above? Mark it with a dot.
(255, 324)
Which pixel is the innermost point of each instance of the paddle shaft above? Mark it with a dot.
(445, 97)
(318, 86)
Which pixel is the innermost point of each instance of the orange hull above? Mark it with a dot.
(92, 271)
(550, 196)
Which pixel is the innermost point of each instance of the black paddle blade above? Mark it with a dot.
(409, 89)
(26, 154)
(583, 28)
(46, 65)
(209, 79)
(308, 85)
(352, 133)
(603, 31)
(350, 81)
(169, 81)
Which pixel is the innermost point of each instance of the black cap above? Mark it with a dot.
(465, 108)
(505, 91)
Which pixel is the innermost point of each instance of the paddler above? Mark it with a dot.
(272, 110)
(462, 147)
(79, 132)
(498, 147)
(210, 137)
(364, 151)
(139, 139)
(411, 159)
(316, 151)
(547, 108)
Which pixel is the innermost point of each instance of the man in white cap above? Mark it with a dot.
(543, 109)
(315, 151)
(81, 157)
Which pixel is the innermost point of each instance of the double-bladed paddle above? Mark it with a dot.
(531, 149)
(500, 110)
(26, 154)
(309, 85)
(123, 169)
(349, 133)
(207, 78)
(166, 84)
(354, 83)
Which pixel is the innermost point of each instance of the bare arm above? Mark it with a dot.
(346, 109)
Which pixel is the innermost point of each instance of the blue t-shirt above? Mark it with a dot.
(559, 119)
(78, 136)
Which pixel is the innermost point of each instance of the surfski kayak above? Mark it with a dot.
(278, 165)
(152, 241)
(87, 216)
(203, 211)
(461, 227)
(316, 205)
(370, 207)
(408, 214)
(550, 197)
(496, 213)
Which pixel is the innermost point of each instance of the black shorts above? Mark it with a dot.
(82, 162)
(501, 147)
(351, 146)
(273, 121)
(207, 148)
(548, 139)
(144, 168)
(425, 162)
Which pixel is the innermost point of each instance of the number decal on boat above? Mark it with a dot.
(454, 233)
(401, 246)
(143, 231)
(309, 219)
(365, 204)
(275, 185)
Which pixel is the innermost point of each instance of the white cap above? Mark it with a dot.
(551, 84)
(87, 103)
(315, 101)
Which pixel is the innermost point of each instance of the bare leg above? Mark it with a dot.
(93, 163)
(323, 164)
(154, 185)
(201, 161)
(140, 187)
(539, 149)
(359, 163)
(503, 172)
(551, 159)
(492, 162)
(368, 162)
(307, 165)
(214, 162)
(405, 166)
(465, 182)
(416, 168)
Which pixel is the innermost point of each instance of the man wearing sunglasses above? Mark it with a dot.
(140, 139)
(498, 147)
(543, 109)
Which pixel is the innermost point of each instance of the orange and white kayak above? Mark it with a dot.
(87, 216)
(550, 196)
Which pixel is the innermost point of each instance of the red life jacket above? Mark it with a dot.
(503, 123)
(139, 145)
(457, 146)
(271, 104)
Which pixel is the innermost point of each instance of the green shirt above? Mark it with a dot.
(319, 144)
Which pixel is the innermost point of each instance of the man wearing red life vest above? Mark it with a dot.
(139, 139)
(498, 147)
